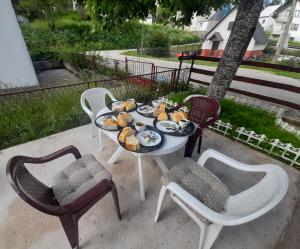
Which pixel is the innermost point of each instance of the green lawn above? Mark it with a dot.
(215, 64)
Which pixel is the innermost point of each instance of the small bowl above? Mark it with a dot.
(156, 103)
(139, 126)
(131, 100)
(184, 123)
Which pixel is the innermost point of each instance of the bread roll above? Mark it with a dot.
(177, 116)
(132, 143)
(163, 116)
(162, 108)
(126, 116)
(110, 124)
(122, 122)
(127, 131)
(129, 105)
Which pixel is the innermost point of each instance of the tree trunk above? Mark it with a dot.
(242, 31)
(283, 39)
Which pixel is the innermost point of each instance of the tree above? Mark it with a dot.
(284, 36)
(48, 8)
(114, 12)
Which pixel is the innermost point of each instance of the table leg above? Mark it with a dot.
(161, 164)
(141, 177)
(116, 155)
(100, 139)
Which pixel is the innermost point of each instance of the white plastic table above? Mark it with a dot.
(171, 144)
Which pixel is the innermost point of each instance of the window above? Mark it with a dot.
(287, 13)
(294, 27)
(200, 24)
(297, 13)
(263, 21)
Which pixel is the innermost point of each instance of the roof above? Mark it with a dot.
(269, 10)
(259, 33)
(216, 37)
(282, 8)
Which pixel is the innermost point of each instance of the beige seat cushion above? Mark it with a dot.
(77, 178)
(199, 182)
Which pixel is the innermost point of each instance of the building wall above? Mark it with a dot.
(282, 18)
(222, 28)
(267, 23)
(16, 69)
(198, 24)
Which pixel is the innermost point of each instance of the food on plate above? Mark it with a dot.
(151, 137)
(146, 109)
(163, 116)
(155, 112)
(121, 122)
(126, 132)
(129, 105)
(177, 116)
(132, 143)
(126, 116)
(118, 106)
(162, 108)
(110, 124)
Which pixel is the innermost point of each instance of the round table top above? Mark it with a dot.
(171, 143)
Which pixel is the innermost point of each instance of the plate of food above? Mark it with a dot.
(114, 121)
(174, 124)
(145, 141)
(123, 106)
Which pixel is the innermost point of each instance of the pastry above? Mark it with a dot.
(177, 116)
(126, 116)
(129, 105)
(127, 131)
(163, 116)
(132, 143)
(117, 107)
(121, 122)
(162, 108)
(110, 124)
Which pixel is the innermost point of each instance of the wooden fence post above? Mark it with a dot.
(179, 69)
(192, 65)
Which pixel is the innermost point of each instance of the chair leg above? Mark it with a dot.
(212, 233)
(70, 225)
(203, 233)
(199, 144)
(160, 202)
(116, 199)
(93, 129)
(100, 139)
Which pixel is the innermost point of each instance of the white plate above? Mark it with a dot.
(99, 120)
(142, 137)
(147, 109)
(166, 126)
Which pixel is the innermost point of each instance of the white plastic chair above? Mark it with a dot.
(240, 208)
(96, 100)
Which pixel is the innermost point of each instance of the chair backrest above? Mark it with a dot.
(96, 99)
(261, 197)
(204, 110)
(31, 190)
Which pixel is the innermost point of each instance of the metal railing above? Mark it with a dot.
(31, 114)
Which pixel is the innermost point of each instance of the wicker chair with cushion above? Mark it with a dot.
(204, 111)
(75, 190)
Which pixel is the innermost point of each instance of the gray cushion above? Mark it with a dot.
(199, 182)
(77, 178)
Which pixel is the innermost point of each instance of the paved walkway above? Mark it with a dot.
(271, 92)
(22, 227)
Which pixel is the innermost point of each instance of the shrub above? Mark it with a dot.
(157, 43)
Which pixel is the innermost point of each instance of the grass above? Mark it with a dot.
(73, 34)
(251, 118)
(215, 64)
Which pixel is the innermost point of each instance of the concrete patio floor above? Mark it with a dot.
(22, 227)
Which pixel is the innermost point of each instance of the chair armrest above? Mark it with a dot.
(85, 108)
(210, 153)
(64, 151)
(215, 217)
(112, 97)
(91, 196)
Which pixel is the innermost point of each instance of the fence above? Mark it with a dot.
(275, 147)
(248, 80)
(31, 114)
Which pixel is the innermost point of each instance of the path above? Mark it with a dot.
(270, 92)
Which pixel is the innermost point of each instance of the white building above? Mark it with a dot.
(216, 39)
(16, 69)
(266, 18)
(280, 17)
(199, 23)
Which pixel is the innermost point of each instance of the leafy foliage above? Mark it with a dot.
(111, 13)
